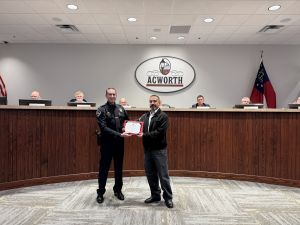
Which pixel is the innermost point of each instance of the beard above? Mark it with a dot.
(153, 107)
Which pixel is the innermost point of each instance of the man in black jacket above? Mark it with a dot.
(110, 118)
(155, 152)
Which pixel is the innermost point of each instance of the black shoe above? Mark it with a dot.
(152, 199)
(119, 195)
(169, 203)
(100, 199)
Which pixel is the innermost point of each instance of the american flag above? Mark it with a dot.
(3, 91)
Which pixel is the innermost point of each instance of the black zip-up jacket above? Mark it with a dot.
(106, 119)
(156, 138)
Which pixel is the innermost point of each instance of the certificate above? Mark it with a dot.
(133, 127)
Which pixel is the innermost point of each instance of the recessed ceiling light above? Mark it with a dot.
(274, 7)
(180, 38)
(153, 38)
(208, 20)
(132, 19)
(72, 6)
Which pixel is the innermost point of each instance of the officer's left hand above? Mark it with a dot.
(124, 134)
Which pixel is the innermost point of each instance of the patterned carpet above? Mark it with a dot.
(196, 201)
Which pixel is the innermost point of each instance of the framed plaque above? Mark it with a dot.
(133, 127)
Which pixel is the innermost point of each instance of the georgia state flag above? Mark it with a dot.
(263, 87)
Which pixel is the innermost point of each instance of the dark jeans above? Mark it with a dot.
(107, 154)
(156, 168)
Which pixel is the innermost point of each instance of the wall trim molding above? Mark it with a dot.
(133, 173)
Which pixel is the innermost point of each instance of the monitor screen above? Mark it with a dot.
(294, 106)
(249, 106)
(35, 102)
(3, 100)
(82, 104)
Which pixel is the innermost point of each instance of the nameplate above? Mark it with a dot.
(250, 107)
(83, 106)
(36, 104)
(203, 107)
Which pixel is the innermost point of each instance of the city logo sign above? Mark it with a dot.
(165, 74)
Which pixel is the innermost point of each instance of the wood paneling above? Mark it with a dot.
(49, 145)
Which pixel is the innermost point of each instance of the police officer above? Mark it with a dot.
(110, 118)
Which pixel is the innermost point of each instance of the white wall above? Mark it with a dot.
(224, 74)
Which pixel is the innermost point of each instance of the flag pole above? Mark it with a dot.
(261, 55)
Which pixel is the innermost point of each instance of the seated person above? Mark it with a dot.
(35, 95)
(200, 102)
(245, 101)
(79, 97)
(297, 101)
(123, 103)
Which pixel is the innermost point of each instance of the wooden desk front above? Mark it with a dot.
(54, 144)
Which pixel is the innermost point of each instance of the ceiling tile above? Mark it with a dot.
(156, 19)
(225, 29)
(32, 19)
(129, 6)
(190, 6)
(183, 19)
(158, 6)
(81, 19)
(202, 29)
(244, 7)
(293, 8)
(45, 6)
(10, 19)
(233, 20)
(107, 19)
(111, 29)
(89, 29)
(16, 29)
(45, 29)
(15, 7)
(248, 29)
(56, 18)
(259, 20)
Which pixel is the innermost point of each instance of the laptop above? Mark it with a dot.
(3, 100)
(82, 104)
(35, 102)
(249, 106)
(294, 106)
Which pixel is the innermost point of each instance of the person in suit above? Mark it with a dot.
(155, 152)
(78, 97)
(200, 102)
(245, 101)
(110, 118)
(35, 95)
